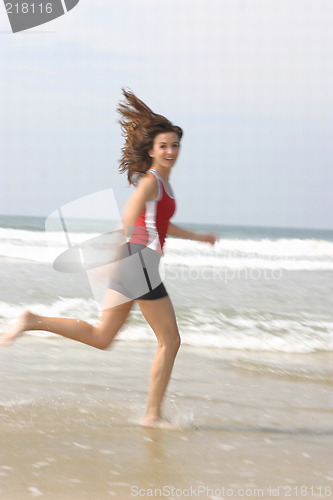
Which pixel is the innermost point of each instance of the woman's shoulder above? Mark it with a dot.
(149, 178)
(148, 184)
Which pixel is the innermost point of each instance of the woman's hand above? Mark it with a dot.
(208, 238)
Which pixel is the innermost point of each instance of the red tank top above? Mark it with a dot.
(150, 228)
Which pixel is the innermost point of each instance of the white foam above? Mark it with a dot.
(202, 328)
(35, 491)
(289, 254)
(86, 309)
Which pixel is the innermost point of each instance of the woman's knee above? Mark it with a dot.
(103, 339)
(171, 343)
(177, 341)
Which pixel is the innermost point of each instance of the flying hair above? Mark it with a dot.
(139, 125)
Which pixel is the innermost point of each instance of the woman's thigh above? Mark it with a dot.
(116, 308)
(161, 317)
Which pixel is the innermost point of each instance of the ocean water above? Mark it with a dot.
(249, 396)
(257, 289)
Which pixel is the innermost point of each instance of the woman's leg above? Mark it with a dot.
(100, 336)
(161, 317)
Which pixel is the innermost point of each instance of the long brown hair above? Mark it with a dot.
(139, 126)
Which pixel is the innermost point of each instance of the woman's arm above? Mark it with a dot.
(146, 190)
(179, 232)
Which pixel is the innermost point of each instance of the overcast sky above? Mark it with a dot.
(249, 81)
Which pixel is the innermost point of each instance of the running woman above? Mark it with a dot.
(150, 152)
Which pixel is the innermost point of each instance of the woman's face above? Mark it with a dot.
(165, 150)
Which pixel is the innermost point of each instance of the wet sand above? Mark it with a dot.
(246, 425)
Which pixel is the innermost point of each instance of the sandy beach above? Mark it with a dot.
(250, 397)
(246, 425)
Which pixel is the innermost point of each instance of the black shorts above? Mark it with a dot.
(136, 274)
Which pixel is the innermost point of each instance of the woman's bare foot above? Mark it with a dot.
(156, 422)
(16, 328)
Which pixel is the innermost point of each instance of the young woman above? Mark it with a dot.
(151, 149)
